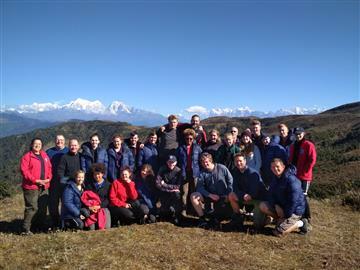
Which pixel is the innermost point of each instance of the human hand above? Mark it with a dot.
(162, 128)
(82, 217)
(141, 146)
(128, 205)
(247, 198)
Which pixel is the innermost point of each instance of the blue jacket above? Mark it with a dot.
(71, 202)
(147, 191)
(219, 181)
(289, 141)
(249, 182)
(181, 153)
(269, 152)
(55, 155)
(87, 159)
(286, 192)
(127, 159)
(149, 155)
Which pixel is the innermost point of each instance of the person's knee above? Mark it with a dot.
(233, 197)
(195, 198)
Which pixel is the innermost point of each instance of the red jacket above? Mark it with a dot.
(121, 192)
(30, 167)
(306, 160)
(90, 198)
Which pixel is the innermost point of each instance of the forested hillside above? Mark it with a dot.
(336, 134)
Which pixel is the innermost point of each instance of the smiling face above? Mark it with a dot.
(195, 121)
(214, 137)
(125, 175)
(300, 136)
(256, 129)
(240, 163)
(134, 139)
(60, 141)
(98, 176)
(207, 164)
(79, 179)
(117, 142)
(284, 131)
(277, 167)
(94, 142)
(144, 173)
(36, 146)
(234, 132)
(74, 146)
(153, 139)
(173, 123)
(246, 139)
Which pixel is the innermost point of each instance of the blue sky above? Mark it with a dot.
(165, 56)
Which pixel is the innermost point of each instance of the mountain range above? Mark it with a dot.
(82, 109)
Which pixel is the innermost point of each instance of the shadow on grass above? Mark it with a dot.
(13, 226)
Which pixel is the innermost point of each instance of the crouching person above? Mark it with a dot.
(71, 212)
(286, 200)
(125, 206)
(249, 190)
(168, 181)
(212, 190)
(96, 199)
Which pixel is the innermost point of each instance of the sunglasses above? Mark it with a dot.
(189, 138)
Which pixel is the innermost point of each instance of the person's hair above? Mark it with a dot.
(98, 167)
(133, 133)
(195, 115)
(115, 136)
(206, 155)
(255, 122)
(172, 117)
(241, 154)
(247, 149)
(73, 139)
(148, 167)
(214, 131)
(152, 133)
(189, 131)
(94, 134)
(228, 134)
(283, 125)
(79, 172)
(59, 135)
(35, 139)
(126, 168)
(276, 160)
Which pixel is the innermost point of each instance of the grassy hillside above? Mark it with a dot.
(333, 244)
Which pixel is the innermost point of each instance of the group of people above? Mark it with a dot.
(179, 171)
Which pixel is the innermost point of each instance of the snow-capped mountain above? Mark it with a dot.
(83, 109)
(246, 112)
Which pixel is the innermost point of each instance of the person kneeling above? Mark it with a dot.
(249, 189)
(286, 200)
(125, 206)
(212, 189)
(71, 212)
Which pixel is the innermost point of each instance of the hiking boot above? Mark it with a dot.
(237, 222)
(202, 223)
(306, 227)
(214, 224)
(151, 219)
(26, 233)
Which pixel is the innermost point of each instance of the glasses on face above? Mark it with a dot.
(189, 138)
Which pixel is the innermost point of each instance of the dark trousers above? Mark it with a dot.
(55, 193)
(305, 185)
(170, 200)
(74, 223)
(36, 203)
(128, 215)
(220, 209)
(187, 188)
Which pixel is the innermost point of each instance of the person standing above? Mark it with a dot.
(149, 153)
(36, 171)
(55, 153)
(92, 152)
(119, 156)
(303, 157)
